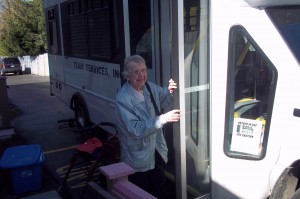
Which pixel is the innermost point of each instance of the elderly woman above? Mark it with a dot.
(142, 141)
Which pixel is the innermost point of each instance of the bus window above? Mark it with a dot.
(89, 30)
(251, 88)
(52, 30)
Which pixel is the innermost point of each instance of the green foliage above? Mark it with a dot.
(22, 28)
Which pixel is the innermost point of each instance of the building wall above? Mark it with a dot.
(37, 65)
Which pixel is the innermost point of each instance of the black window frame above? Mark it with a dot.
(230, 98)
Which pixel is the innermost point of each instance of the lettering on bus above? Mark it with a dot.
(78, 65)
(116, 73)
(97, 69)
(100, 70)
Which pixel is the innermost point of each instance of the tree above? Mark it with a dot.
(22, 28)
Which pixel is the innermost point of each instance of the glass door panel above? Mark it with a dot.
(197, 112)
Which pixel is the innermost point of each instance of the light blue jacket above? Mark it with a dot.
(140, 131)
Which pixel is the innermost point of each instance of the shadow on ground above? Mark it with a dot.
(49, 183)
(6, 192)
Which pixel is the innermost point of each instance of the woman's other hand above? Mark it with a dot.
(172, 86)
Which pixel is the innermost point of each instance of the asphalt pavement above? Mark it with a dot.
(34, 118)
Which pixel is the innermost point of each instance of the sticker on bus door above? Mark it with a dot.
(246, 136)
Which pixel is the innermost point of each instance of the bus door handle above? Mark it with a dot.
(296, 112)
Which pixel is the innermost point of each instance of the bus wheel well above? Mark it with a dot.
(78, 105)
(288, 182)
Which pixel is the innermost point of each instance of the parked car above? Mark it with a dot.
(10, 65)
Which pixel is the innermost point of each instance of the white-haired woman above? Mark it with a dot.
(142, 141)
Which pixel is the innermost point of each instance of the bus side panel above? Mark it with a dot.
(235, 177)
(100, 78)
(97, 82)
(56, 76)
(100, 108)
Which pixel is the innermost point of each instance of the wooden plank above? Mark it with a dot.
(117, 170)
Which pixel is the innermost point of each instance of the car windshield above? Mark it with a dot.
(287, 21)
(12, 60)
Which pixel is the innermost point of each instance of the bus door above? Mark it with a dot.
(190, 60)
(145, 35)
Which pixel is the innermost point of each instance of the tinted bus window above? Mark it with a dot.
(88, 30)
(52, 27)
(251, 89)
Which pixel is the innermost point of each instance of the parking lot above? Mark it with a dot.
(34, 116)
(34, 119)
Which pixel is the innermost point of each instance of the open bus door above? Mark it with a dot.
(145, 35)
(148, 33)
(190, 62)
(150, 25)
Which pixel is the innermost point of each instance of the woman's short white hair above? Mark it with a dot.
(128, 65)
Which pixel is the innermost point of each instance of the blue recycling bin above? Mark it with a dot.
(25, 165)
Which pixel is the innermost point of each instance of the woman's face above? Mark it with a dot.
(137, 75)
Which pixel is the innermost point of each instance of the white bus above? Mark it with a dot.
(237, 66)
